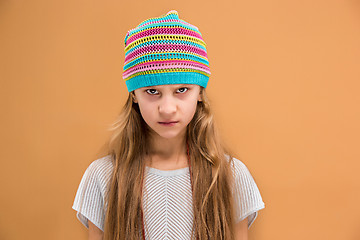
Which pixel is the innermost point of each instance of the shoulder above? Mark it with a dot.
(95, 180)
(99, 170)
(237, 166)
(243, 178)
(101, 165)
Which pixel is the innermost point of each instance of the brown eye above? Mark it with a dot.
(183, 88)
(150, 90)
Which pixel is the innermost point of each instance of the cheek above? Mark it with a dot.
(191, 110)
(146, 112)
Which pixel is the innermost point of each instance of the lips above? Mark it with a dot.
(169, 122)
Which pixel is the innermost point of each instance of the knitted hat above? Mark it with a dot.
(165, 50)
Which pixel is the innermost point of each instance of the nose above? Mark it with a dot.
(167, 105)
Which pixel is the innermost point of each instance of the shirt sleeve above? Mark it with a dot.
(247, 197)
(89, 199)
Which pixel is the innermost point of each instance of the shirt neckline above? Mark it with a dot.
(167, 173)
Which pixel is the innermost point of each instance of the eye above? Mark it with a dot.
(150, 90)
(153, 91)
(183, 88)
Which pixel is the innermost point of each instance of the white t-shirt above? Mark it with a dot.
(167, 198)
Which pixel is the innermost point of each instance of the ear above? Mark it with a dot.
(200, 95)
(133, 97)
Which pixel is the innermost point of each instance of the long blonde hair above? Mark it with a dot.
(211, 175)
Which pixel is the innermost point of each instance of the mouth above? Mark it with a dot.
(168, 123)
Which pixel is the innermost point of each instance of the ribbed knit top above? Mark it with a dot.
(167, 198)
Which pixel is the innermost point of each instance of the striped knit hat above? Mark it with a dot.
(165, 50)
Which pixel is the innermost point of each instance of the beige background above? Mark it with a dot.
(284, 87)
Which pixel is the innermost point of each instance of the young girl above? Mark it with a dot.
(166, 174)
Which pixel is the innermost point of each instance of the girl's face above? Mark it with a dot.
(168, 103)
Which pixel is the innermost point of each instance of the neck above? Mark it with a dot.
(167, 148)
(167, 153)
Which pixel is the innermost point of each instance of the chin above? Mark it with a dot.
(169, 135)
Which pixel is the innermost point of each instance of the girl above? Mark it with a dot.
(166, 174)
